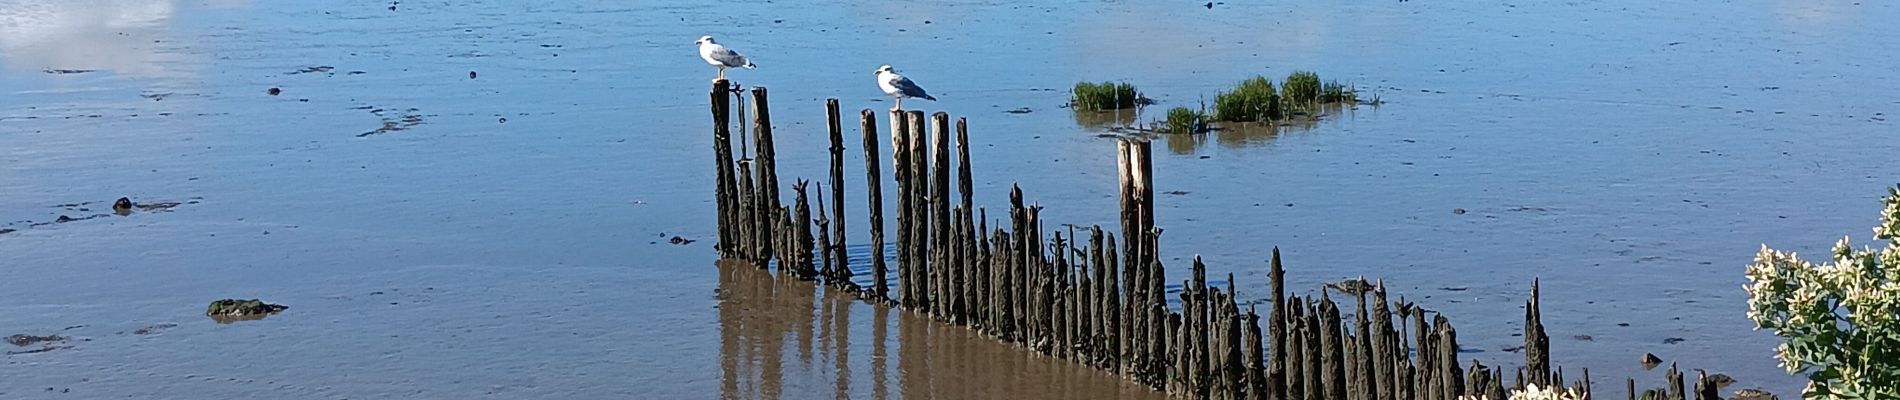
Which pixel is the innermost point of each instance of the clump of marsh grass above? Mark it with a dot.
(1333, 92)
(1104, 96)
(1253, 100)
(1256, 100)
(1182, 120)
(1301, 87)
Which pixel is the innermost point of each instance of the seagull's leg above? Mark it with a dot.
(900, 104)
(722, 72)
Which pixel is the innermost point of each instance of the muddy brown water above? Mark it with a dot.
(510, 238)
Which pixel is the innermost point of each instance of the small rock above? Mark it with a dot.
(123, 206)
(1720, 380)
(28, 340)
(1457, 211)
(1586, 338)
(681, 241)
(471, 74)
(1350, 286)
(242, 308)
(1753, 394)
(274, 91)
(64, 219)
(1673, 340)
(1020, 110)
(1650, 360)
(153, 329)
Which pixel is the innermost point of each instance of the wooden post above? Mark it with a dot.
(801, 236)
(1382, 336)
(1256, 382)
(1102, 308)
(1365, 383)
(940, 265)
(767, 158)
(1311, 350)
(1232, 369)
(744, 236)
(828, 270)
(1536, 342)
(971, 235)
(873, 187)
(919, 184)
(724, 189)
(1332, 348)
(1117, 320)
(1137, 337)
(900, 171)
(1276, 329)
(1450, 380)
(1295, 366)
(842, 265)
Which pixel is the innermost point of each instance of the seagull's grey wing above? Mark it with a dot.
(730, 58)
(910, 89)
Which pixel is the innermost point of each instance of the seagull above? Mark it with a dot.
(899, 87)
(720, 56)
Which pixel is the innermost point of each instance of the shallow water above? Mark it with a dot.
(506, 235)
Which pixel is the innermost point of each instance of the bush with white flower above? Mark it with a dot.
(1840, 320)
(1533, 392)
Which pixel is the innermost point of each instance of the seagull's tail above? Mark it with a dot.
(748, 65)
(927, 97)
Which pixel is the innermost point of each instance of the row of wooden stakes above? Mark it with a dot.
(1094, 301)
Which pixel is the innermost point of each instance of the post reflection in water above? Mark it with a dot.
(1232, 135)
(934, 360)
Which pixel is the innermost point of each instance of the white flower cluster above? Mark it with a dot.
(1532, 392)
(1838, 319)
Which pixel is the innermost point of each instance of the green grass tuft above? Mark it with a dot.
(1253, 100)
(1104, 96)
(1333, 92)
(1301, 87)
(1184, 120)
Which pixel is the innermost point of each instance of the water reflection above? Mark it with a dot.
(123, 36)
(1104, 120)
(762, 319)
(1254, 134)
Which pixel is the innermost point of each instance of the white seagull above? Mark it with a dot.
(720, 56)
(899, 87)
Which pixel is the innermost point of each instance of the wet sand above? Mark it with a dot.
(785, 338)
(1632, 155)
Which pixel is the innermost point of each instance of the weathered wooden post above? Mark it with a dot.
(873, 187)
(1450, 381)
(725, 188)
(767, 158)
(801, 236)
(744, 237)
(1382, 357)
(1332, 348)
(968, 261)
(900, 171)
(940, 263)
(1365, 383)
(1276, 329)
(1256, 380)
(919, 184)
(827, 269)
(1536, 342)
(842, 265)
